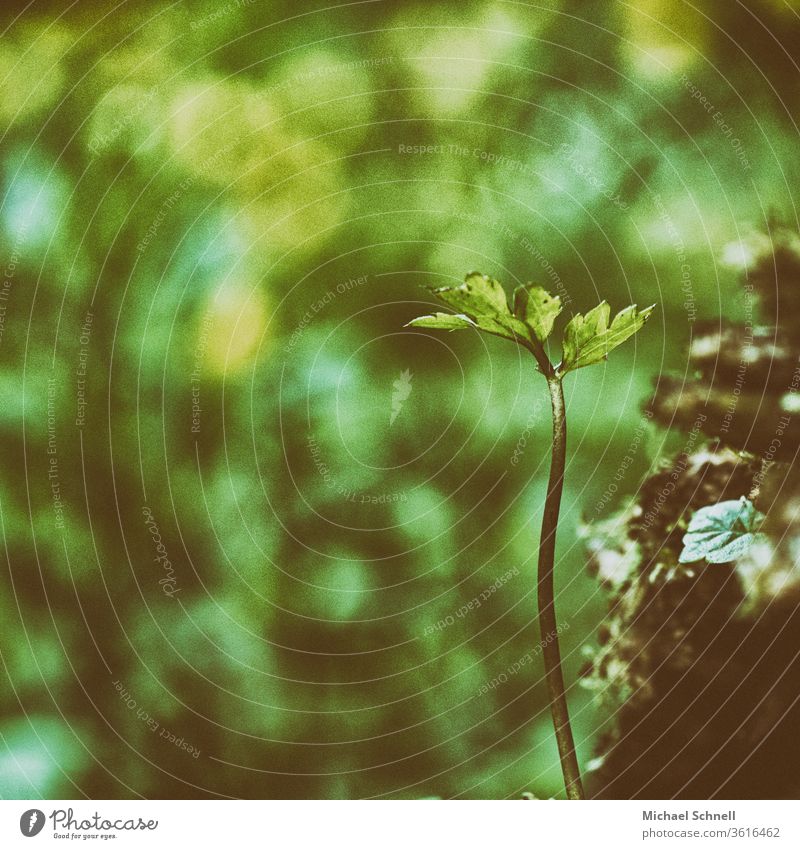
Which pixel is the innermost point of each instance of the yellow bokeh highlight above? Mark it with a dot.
(663, 37)
(222, 129)
(231, 328)
(34, 78)
(286, 186)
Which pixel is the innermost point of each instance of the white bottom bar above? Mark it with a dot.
(401, 824)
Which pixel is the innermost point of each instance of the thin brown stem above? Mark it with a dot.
(548, 623)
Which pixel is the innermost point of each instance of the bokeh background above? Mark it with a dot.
(244, 511)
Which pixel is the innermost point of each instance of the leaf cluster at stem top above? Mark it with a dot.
(480, 303)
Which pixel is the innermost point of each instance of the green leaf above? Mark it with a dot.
(722, 532)
(537, 308)
(588, 339)
(442, 321)
(478, 302)
(581, 331)
(478, 293)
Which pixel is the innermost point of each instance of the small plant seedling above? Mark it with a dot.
(480, 303)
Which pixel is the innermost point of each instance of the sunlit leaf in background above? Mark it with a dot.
(721, 532)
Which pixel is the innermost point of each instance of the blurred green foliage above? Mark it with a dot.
(231, 207)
